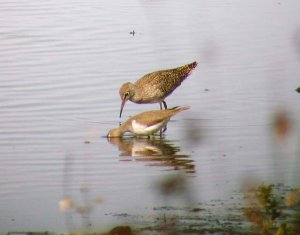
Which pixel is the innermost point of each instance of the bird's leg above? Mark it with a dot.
(165, 127)
(160, 105)
(165, 104)
(160, 133)
(162, 130)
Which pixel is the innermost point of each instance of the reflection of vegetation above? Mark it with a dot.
(266, 211)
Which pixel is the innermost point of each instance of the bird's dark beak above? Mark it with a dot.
(123, 103)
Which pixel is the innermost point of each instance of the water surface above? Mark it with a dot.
(61, 65)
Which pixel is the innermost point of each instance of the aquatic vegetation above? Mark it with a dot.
(268, 211)
(293, 201)
(264, 208)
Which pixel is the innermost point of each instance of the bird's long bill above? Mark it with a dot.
(122, 106)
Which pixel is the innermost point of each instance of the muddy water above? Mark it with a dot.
(61, 65)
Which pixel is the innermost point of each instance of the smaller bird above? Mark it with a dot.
(146, 123)
(155, 87)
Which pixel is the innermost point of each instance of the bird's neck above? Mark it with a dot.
(122, 129)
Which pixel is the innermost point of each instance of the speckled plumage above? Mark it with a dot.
(146, 123)
(156, 86)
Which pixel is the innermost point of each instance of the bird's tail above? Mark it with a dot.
(190, 67)
(193, 65)
(179, 109)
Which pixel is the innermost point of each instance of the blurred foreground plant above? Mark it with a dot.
(293, 201)
(265, 211)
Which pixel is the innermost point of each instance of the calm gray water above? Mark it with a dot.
(61, 66)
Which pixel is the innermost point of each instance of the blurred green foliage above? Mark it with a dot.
(266, 211)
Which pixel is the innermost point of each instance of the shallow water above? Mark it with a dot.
(61, 65)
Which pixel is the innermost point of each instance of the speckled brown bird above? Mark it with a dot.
(155, 87)
(146, 123)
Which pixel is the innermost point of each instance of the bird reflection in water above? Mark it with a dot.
(156, 152)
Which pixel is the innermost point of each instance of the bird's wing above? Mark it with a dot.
(148, 123)
(139, 127)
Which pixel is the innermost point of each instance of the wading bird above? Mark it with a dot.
(155, 87)
(146, 123)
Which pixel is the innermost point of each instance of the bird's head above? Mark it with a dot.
(126, 93)
(114, 133)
